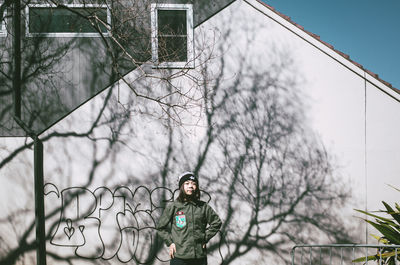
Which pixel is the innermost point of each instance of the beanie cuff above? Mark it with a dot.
(187, 176)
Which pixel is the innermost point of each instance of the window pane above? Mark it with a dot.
(61, 20)
(172, 49)
(2, 23)
(172, 22)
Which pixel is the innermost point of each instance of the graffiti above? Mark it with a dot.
(108, 224)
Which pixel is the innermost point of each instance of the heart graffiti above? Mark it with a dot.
(69, 230)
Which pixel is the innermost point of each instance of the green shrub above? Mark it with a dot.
(390, 229)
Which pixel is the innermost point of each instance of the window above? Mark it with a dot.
(52, 21)
(172, 35)
(3, 30)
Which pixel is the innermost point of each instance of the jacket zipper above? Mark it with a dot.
(194, 242)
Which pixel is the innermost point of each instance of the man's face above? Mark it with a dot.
(189, 186)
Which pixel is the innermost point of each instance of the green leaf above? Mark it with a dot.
(375, 216)
(363, 259)
(380, 239)
(387, 231)
(376, 257)
(388, 254)
(397, 206)
(393, 187)
(392, 212)
(392, 225)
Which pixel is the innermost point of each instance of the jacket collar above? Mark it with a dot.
(191, 202)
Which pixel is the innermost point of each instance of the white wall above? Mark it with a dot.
(383, 145)
(341, 107)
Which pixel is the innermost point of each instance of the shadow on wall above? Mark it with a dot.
(265, 173)
(269, 179)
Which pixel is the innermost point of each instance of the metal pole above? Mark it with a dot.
(38, 145)
(39, 203)
(17, 58)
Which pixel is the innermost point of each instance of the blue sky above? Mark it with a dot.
(367, 30)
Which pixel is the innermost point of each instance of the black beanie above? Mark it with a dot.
(187, 176)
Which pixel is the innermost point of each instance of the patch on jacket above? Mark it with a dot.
(180, 219)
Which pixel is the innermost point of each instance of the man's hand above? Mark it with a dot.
(172, 250)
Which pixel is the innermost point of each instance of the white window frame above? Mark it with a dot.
(154, 35)
(3, 29)
(68, 34)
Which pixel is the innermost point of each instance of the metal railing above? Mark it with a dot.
(342, 254)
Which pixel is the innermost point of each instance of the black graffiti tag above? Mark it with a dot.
(108, 224)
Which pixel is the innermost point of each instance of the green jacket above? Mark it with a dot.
(185, 224)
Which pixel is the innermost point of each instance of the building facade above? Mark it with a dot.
(286, 134)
